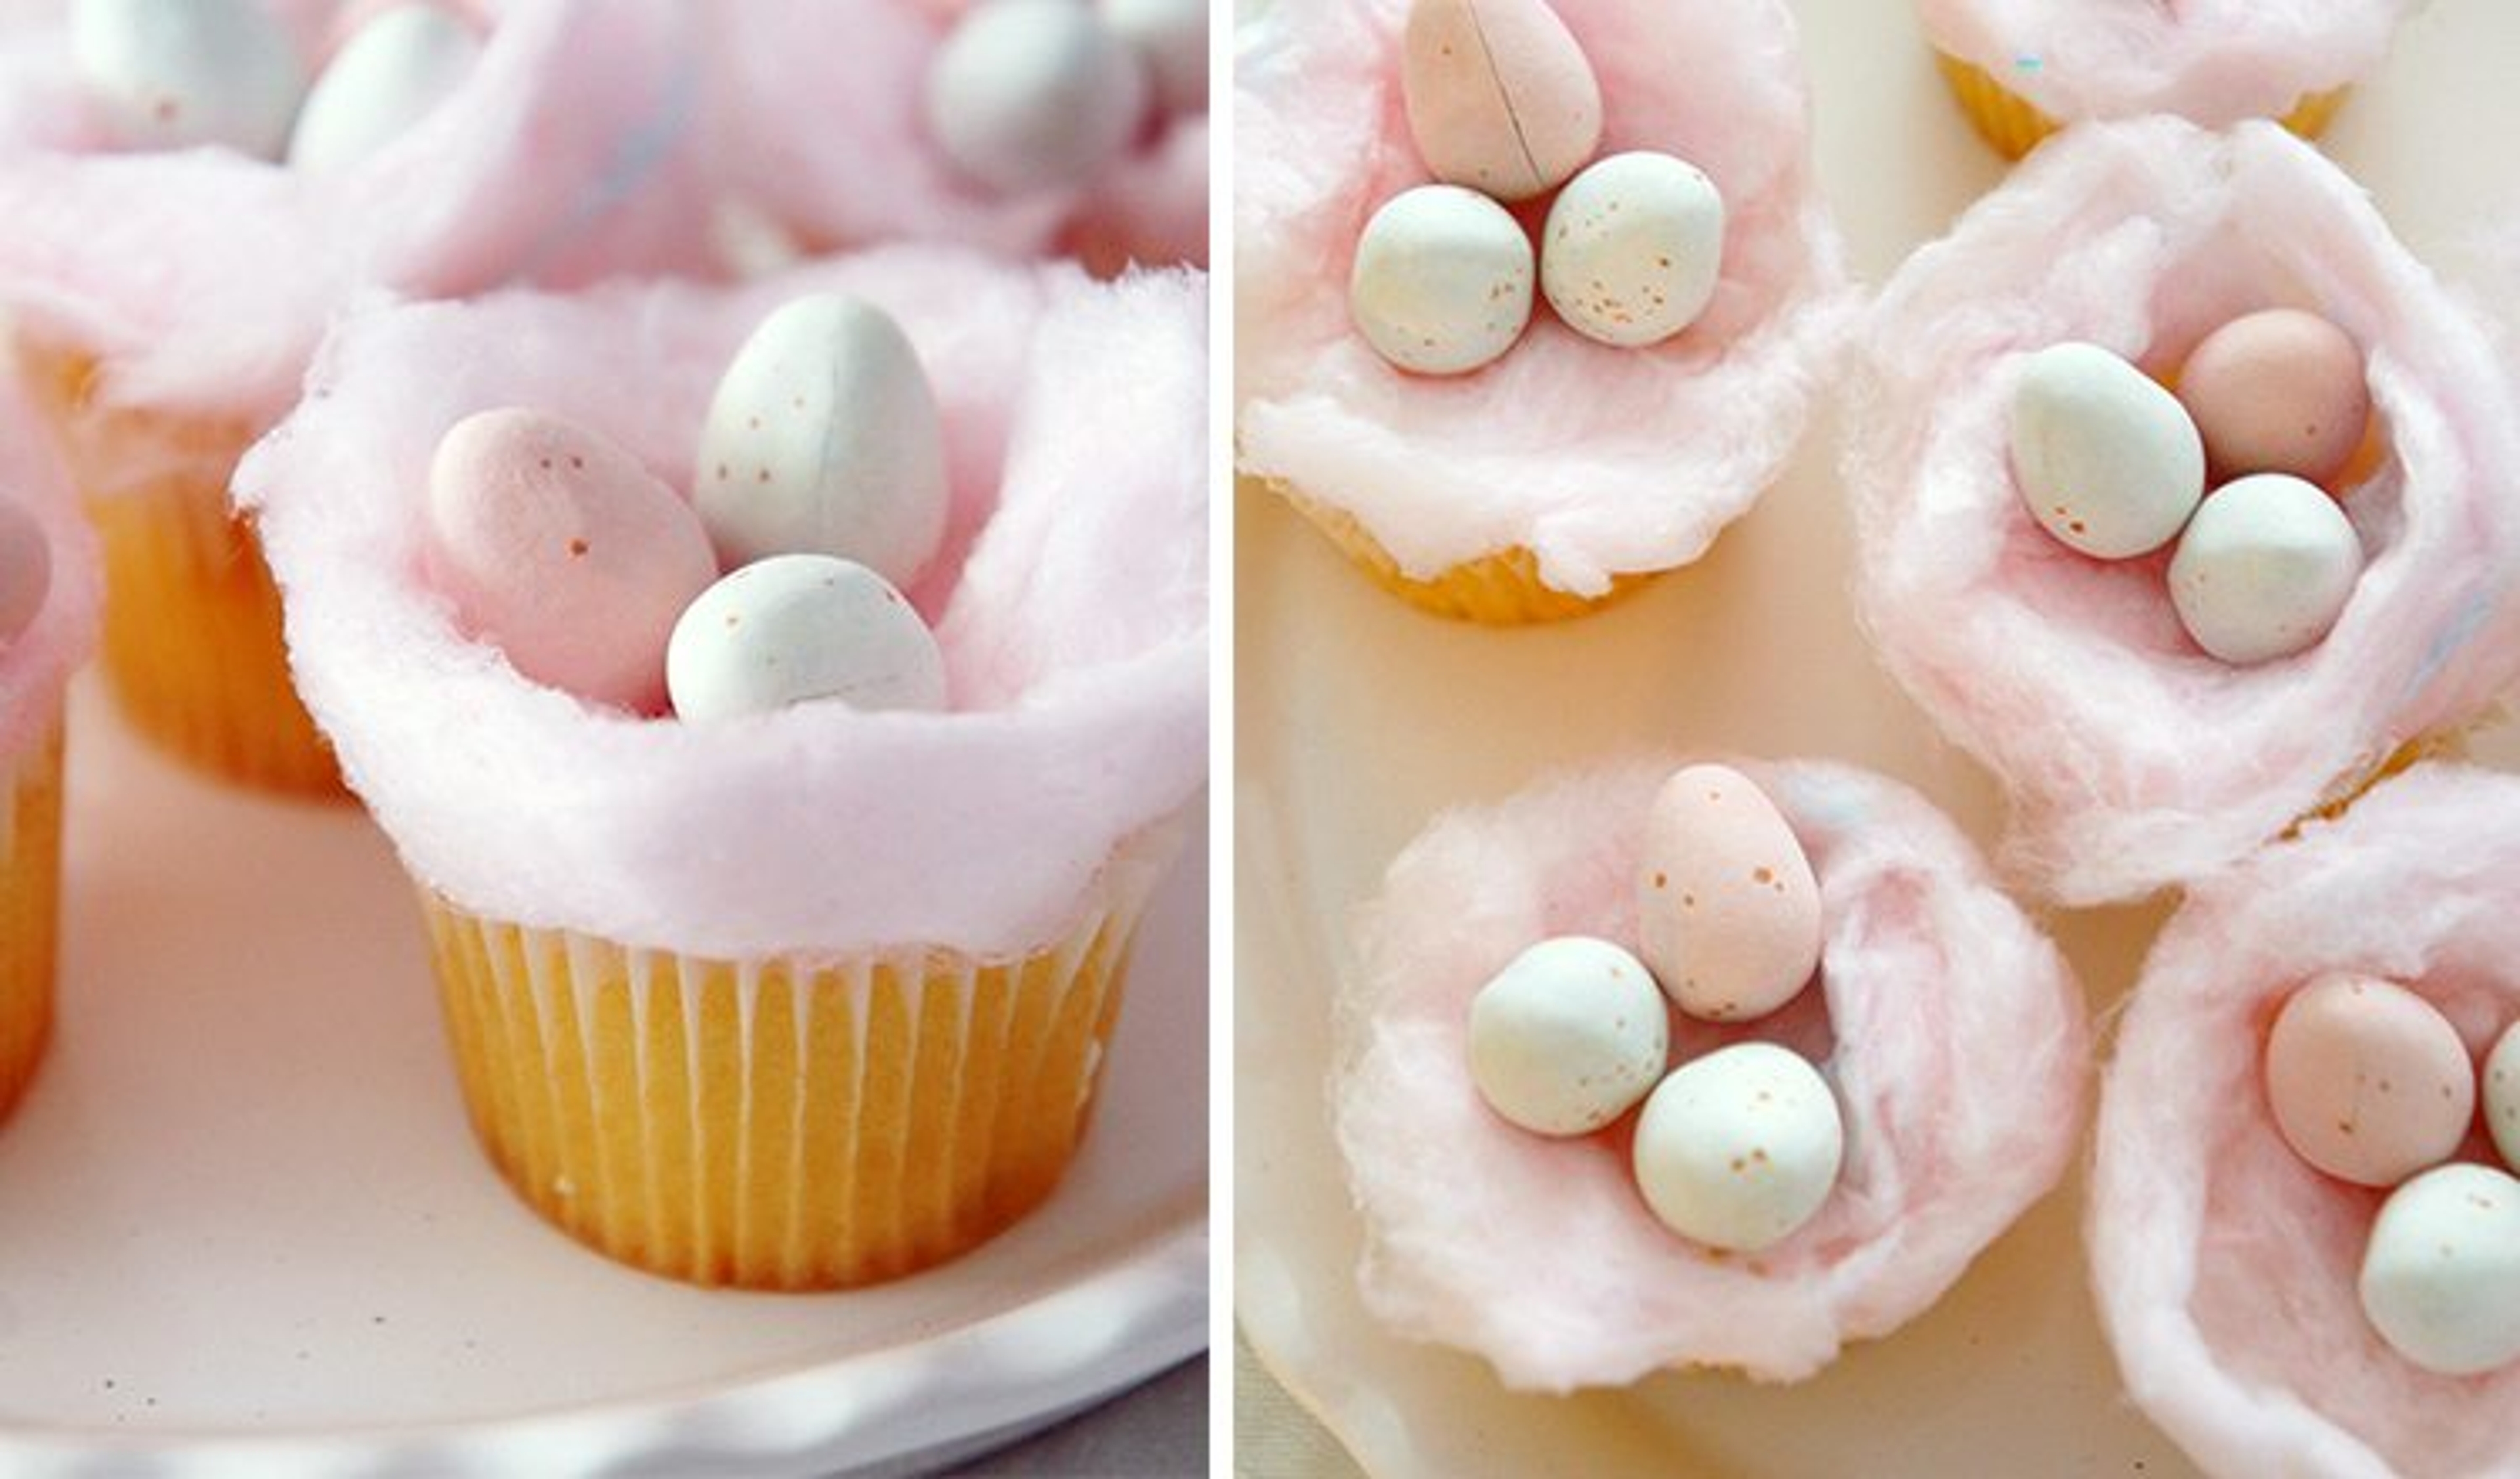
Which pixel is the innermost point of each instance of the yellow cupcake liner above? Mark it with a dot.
(1501, 589)
(780, 1124)
(2014, 126)
(30, 891)
(193, 641)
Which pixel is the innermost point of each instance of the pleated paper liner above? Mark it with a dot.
(30, 890)
(774, 1123)
(192, 642)
(2014, 126)
(1501, 589)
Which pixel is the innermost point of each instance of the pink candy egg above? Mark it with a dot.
(2367, 1081)
(2278, 391)
(560, 547)
(25, 571)
(1500, 97)
(1728, 911)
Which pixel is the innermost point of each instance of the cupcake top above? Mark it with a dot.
(1068, 598)
(51, 585)
(2215, 62)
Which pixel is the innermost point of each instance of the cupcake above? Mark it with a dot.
(2247, 1219)
(49, 593)
(1907, 1052)
(2139, 741)
(1568, 464)
(168, 280)
(2022, 68)
(778, 995)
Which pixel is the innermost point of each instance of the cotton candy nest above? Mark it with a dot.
(2131, 759)
(1598, 460)
(1070, 600)
(2226, 1265)
(1949, 1028)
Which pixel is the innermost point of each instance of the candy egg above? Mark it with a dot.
(2500, 1080)
(25, 571)
(1728, 911)
(1170, 36)
(173, 74)
(1633, 247)
(555, 544)
(2265, 569)
(1568, 1036)
(2440, 1277)
(824, 439)
(2367, 1081)
(1739, 1148)
(1034, 94)
(388, 76)
(2107, 460)
(2278, 391)
(1442, 281)
(797, 628)
(1500, 96)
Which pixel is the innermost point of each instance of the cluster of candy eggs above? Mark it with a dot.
(1037, 94)
(1735, 1149)
(819, 488)
(2369, 1083)
(180, 73)
(2275, 407)
(1505, 108)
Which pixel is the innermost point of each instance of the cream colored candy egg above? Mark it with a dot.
(793, 628)
(1728, 911)
(1632, 249)
(2367, 1081)
(2440, 1277)
(1568, 1036)
(388, 76)
(1034, 94)
(2500, 1082)
(174, 73)
(1740, 1147)
(2265, 569)
(1171, 37)
(2107, 461)
(1442, 281)
(1500, 98)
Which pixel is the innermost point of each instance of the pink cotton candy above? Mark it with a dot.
(1600, 460)
(2224, 1266)
(2131, 759)
(1949, 1028)
(38, 663)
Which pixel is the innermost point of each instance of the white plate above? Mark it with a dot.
(243, 1227)
(1359, 720)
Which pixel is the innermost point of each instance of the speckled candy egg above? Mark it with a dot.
(824, 438)
(555, 544)
(2278, 391)
(795, 628)
(1568, 1036)
(173, 74)
(1632, 249)
(2107, 460)
(1441, 282)
(2500, 1081)
(1034, 94)
(2265, 569)
(25, 571)
(1500, 96)
(1740, 1147)
(2366, 1079)
(388, 76)
(2440, 1277)
(1728, 911)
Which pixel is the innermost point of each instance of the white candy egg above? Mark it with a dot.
(2500, 1080)
(1441, 282)
(173, 74)
(1171, 37)
(1567, 1036)
(2107, 460)
(1740, 1147)
(793, 628)
(824, 439)
(2265, 569)
(1033, 94)
(1632, 249)
(2440, 1277)
(388, 76)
